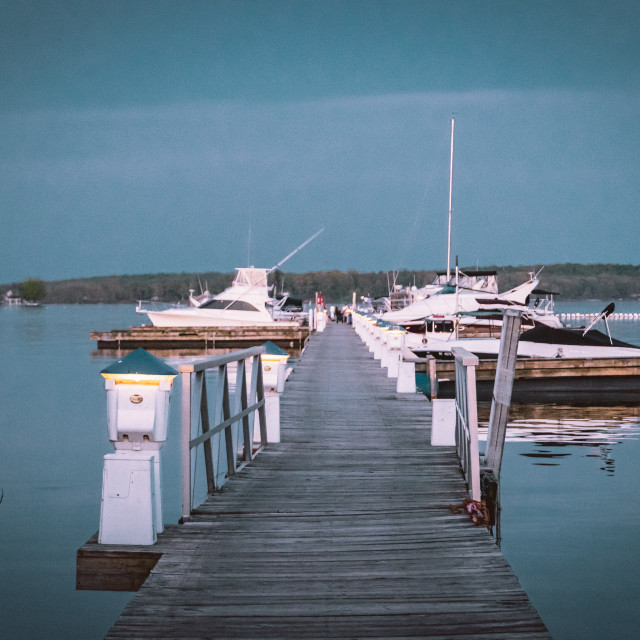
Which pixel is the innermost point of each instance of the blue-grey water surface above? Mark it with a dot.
(570, 521)
(570, 507)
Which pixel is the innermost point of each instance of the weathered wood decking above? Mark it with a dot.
(340, 531)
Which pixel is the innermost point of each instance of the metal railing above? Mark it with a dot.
(227, 434)
(467, 419)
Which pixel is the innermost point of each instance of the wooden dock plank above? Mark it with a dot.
(340, 531)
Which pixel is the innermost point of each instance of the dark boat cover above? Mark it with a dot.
(552, 335)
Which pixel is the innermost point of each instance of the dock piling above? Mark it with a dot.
(505, 372)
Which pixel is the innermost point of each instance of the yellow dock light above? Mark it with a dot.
(274, 365)
(139, 367)
(273, 353)
(138, 389)
(395, 336)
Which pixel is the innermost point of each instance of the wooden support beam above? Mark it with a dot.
(112, 567)
(503, 386)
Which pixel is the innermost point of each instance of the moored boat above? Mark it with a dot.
(247, 302)
(542, 341)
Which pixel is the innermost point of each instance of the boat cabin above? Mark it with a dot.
(251, 277)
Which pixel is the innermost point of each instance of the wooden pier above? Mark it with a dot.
(201, 340)
(342, 530)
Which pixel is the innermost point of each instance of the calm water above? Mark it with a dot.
(570, 489)
(570, 522)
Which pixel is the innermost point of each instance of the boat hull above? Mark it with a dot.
(574, 390)
(209, 318)
(489, 348)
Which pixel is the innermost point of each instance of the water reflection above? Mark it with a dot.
(555, 429)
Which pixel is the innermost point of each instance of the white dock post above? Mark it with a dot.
(443, 423)
(406, 382)
(138, 388)
(371, 333)
(384, 347)
(272, 411)
(131, 508)
(503, 386)
(377, 342)
(393, 363)
(395, 346)
(274, 367)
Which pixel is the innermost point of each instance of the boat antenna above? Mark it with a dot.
(249, 248)
(304, 244)
(450, 195)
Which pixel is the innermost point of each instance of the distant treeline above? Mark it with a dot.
(569, 281)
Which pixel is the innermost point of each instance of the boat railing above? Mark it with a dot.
(466, 428)
(143, 306)
(224, 427)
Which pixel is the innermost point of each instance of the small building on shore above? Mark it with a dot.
(12, 299)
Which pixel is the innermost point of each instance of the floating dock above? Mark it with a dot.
(342, 530)
(576, 380)
(201, 340)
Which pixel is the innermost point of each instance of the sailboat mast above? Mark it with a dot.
(450, 195)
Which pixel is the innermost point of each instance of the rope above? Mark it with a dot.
(477, 510)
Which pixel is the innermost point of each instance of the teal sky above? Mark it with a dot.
(151, 136)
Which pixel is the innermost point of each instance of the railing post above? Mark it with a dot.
(467, 419)
(472, 421)
(185, 446)
(262, 411)
(219, 436)
(204, 419)
(503, 386)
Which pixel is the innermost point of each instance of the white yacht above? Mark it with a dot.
(449, 302)
(542, 341)
(247, 302)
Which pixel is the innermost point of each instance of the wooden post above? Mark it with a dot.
(433, 378)
(502, 389)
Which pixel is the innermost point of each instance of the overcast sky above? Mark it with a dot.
(148, 136)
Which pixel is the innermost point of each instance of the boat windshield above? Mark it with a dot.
(233, 305)
(251, 277)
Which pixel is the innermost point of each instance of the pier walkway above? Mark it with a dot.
(343, 530)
